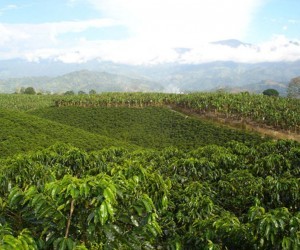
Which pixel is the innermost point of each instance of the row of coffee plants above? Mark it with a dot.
(277, 112)
(151, 127)
(21, 132)
(214, 197)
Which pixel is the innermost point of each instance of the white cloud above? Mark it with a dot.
(28, 37)
(132, 52)
(9, 34)
(7, 8)
(181, 22)
(158, 27)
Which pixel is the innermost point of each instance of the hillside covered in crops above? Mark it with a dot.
(148, 171)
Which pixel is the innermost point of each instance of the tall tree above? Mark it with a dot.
(29, 91)
(92, 92)
(271, 92)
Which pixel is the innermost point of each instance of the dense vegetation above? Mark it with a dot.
(20, 102)
(152, 127)
(218, 189)
(23, 132)
(232, 197)
(271, 92)
(276, 112)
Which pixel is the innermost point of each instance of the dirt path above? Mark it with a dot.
(242, 125)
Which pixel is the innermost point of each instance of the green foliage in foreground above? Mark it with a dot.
(153, 127)
(22, 132)
(231, 197)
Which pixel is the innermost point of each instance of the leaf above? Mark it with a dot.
(103, 215)
(109, 208)
(84, 190)
(53, 192)
(63, 244)
(134, 221)
(57, 242)
(10, 240)
(36, 199)
(178, 246)
(29, 193)
(286, 243)
(148, 204)
(156, 226)
(139, 210)
(108, 194)
(70, 244)
(23, 243)
(267, 231)
(61, 207)
(261, 242)
(152, 230)
(90, 217)
(164, 202)
(14, 195)
(136, 179)
(74, 192)
(2, 204)
(45, 213)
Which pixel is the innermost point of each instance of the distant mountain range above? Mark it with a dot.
(56, 76)
(82, 80)
(255, 88)
(233, 43)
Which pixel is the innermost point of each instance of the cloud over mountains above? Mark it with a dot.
(153, 32)
(129, 52)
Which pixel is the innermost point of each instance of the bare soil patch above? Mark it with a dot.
(242, 124)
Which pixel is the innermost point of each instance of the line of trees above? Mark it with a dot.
(81, 92)
(293, 90)
(33, 91)
(27, 91)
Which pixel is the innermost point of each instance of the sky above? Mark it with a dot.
(149, 31)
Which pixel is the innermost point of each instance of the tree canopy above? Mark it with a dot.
(271, 92)
(29, 91)
(92, 92)
(69, 92)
